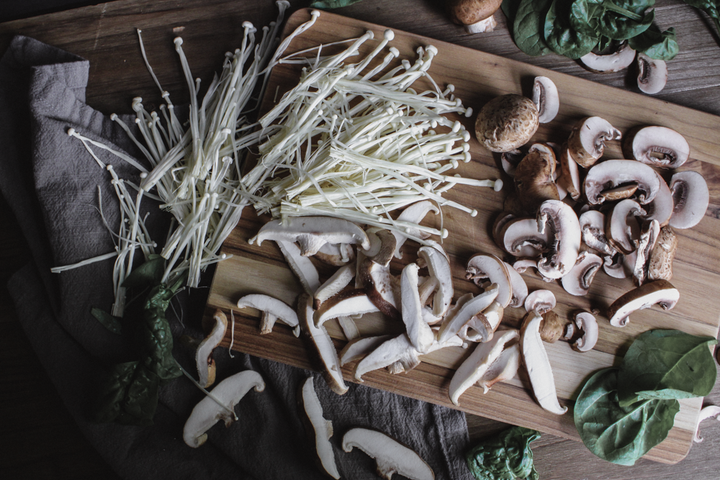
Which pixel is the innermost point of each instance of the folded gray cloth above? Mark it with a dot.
(51, 183)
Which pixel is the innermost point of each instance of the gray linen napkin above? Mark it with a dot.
(51, 184)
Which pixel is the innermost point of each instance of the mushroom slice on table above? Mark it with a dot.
(586, 143)
(546, 98)
(481, 327)
(346, 303)
(613, 173)
(220, 406)
(414, 213)
(652, 74)
(538, 365)
(301, 266)
(271, 309)
(562, 221)
(504, 368)
(586, 331)
(361, 347)
(438, 265)
(663, 255)
(484, 268)
(203, 355)
(578, 280)
(418, 331)
(319, 429)
(592, 224)
(519, 287)
(622, 225)
(506, 122)
(336, 283)
(452, 325)
(389, 454)
(615, 61)
(661, 207)
(336, 254)
(379, 285)
(648, 237)
(540, 301)
(479, 361)
(658, 146)
(311, 233)
(569, 178)
(521, 237)
(657, 292)
(691, 196)
(535, 178)
(322, 344)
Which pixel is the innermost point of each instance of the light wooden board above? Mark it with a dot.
(478, 77)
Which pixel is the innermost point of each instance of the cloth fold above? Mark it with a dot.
(53, 184)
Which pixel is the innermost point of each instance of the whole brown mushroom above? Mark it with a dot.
(506, 123)
(476, 15)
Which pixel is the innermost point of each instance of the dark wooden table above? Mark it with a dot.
(39, 438)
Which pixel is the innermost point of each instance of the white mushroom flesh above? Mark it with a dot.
(691, 196)
(203, 355)
(322, 428)
(311, 233)
(658, 292)
(546, 98)
(419, 332)
(560, 219)
(660, 147)
(272, 309)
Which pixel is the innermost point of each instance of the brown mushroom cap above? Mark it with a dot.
(535, 177)
(506, 123)
(467, 12)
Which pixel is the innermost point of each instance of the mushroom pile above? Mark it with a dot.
(652, 74)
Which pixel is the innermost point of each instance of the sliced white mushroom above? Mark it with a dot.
(220, 406)
(346, 303)
(522, 238)
(488, 268)
(452, 325)
(301, 266)
(418, 331)
(615, 61)
(361, 347)
(414, 213)
(438, 265)
(622, 225)
(311, 233)
(658, 292)
(652, 74)
(349, 327)
(578, 280)
(546, 98)
(336, 254)
(592, 224)
(336, 283)
(481, 327)
(540, 301)
(320, 429)
(390, 456)
(662, 206)
(519, 287)
(203, 355)
(586, 331)
(502, 369)
(569, 178)
(663, 255)
(586, 142)
(648, 237)
(474, 366)
(706, 412)
(613, 173)
(659, 146)
(271, 310)
(691, 196)
(560, 219)
(538, 365)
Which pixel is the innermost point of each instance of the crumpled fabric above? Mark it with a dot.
(54, 187)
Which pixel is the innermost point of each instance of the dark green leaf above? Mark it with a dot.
(505, 456)
(667, 364)
(110, 322)
(711, 7)
(128, 395)
(620, 435)
(561, 37)
(528, 27)
(332, 3)
(155, 335)
(148, 274)
(509, 9)
(618, 27)
(656, 44)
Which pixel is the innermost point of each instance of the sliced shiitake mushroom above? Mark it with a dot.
(311, 233)
(318, 428)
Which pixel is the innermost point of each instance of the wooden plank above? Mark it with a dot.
(478, 77)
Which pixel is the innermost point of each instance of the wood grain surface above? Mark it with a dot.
(41, 440)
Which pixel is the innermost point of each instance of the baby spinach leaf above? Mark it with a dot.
(128, 395)
(561, 37)
(528, 27)
(620, 27)
(667, 364)
(656, 44)
(506, 456)
(109, 321)
(509, 9)
(620, 434)
(711, 7)
(149, 273)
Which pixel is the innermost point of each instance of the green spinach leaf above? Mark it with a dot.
(620, 434)
(711, 7)
(656, 44)
(505, 456)
(623, 19)
(147, 274)
(528, 27)
(667, 364)
(128, 395)
(109, 321)
(561, 37)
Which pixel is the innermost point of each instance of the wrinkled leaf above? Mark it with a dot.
(624, 19)
(656, 44)
(561, 37)
(148, 274)
(332, 3)
(505, 456)
(528, 27)
(618, 434)
(128, 395)
(667, 364)
(109, 321)
(711, 7)
(155, 336)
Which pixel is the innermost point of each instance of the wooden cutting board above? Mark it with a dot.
(478, 77)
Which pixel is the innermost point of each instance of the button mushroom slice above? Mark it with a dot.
(615, 61)
(662, 206)
(663, 255)
(612, 173)
(452, 325)
(592, 224)
(502, 369)
(522, 238)
(510, 160)
(658, 146)
(438, 265)
(203, 355)
(586, 143)
(390, 455)
(519, 287)
(318, 428)
(336, 254)
(569, 178)
(414, 213)
(219, 406)
(618, 193)
(301, 266)
(538, 365)
(623, 226)
(499, 225)
(474, 366)
(535, 177)
(506, 122)
(361, 347)
(619, 265)
(578, 280)
(418, 331)
(346, 303)
(657, 292)
(271, 310)
(311, 233)
(540, 301)
(585, 332)
(652, 74)
(562, 221)
(648, 237)
(322, 345)
(546, 98)
(481, 327)
(489, 269)
(691, 196)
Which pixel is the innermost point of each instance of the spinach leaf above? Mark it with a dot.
(623, 19)
(128, 396)
(711, 7)
(109, 321)
(528, 27)
(620, 434)
(509, 9)
(561, 37)
(332, 3)
(155, 337)
(666, 364)
(506, 456)
(656, 44)
(149, 273)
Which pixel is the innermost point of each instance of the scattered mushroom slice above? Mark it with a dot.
(482, 268)
(560, 219)
(361, 347)
(659, 146)
(475, 366)
(271, 310)
(540, 301)
(504, 368)
(301, 266)
(618, 193)
(498, 227)
(522, 238)
(333, 285)
(538, 365)
(646, 243)
(691, 196)
(535, 177)
(615, 265)
(418, 331)
(706, 412)
(391, 456)
(652, 74)
(592, 224)
(662, 255)
(319, 429)
(506, 122)
(546, 98)
(347, 303)
(662, 206)
(586, 142)
(612, 173)
(379, 285)
(203, 355)
(395, 351)
(616, 61)
(208, 412)
(569, 178)
(452, 325)
(622, 225)
(578, 280)
(439, 267)
(586, 331)
(413, 214)
(322, 344)
(476, 15)
(483, 324)
(519, 287)
(658, 292)
(510, 160)
(349, 327)
(336, 255)
(311, 233)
